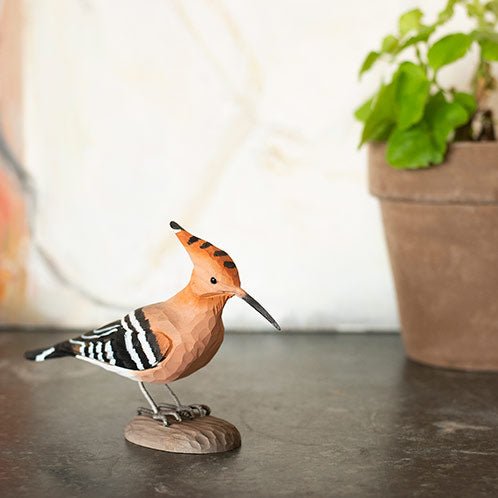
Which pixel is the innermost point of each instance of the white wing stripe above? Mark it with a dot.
(143, 339)
(103, 329)
(41, 356)
(97, 336)
(110, 353)
(98, 350)
(129, 346)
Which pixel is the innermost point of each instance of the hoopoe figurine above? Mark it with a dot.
(163, 342)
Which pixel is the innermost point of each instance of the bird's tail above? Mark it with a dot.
(56, 351)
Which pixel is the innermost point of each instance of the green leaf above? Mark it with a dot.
(451, 117)
(488, 40)
(369, 61)
(448, 49)
(467, 101)
(381, 119)
(412, 91)
(425, 142)
(410, 21)
(489, 50)
(447, 13)
(389, 44)
(413, 148)
(423, 35)
(492, 6)
(476, 9)
(362, 112)
(444, 117)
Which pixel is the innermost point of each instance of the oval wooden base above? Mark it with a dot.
(201, 435)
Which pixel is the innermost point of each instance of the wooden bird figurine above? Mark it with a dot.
(166, 341)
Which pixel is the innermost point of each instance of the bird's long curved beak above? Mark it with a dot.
(251, 301)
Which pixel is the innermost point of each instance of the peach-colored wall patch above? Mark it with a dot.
(13, 241)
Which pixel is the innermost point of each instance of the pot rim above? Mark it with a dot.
(469, 143)
(469, 175)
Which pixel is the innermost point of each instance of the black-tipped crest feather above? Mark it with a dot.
(175, 226)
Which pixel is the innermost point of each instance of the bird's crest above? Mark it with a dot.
(207, 256)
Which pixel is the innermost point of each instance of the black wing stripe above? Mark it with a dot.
(137, 346)
(123, 358)
(151, 338)
(128, 343)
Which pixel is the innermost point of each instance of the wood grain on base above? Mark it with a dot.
(201, 435)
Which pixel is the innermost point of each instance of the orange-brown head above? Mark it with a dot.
(215, 273)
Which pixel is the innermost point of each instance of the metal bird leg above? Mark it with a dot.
(184, 411)
(155, 411)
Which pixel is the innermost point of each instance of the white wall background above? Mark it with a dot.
(233, 118)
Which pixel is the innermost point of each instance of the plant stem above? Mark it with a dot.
(419, 57)
(435, 82)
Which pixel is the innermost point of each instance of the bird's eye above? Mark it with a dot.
(213, 280)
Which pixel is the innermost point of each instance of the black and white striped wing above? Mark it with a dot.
(128, 343)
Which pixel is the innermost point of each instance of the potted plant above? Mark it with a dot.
(433, 163)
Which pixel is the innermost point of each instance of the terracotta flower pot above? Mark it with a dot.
(441, 226)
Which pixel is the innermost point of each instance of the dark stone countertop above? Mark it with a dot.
(319, 414)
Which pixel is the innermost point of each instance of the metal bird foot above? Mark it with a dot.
(186, 412)
(178, 413)
(161, 415)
